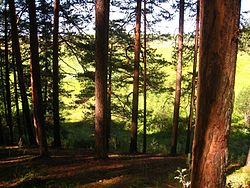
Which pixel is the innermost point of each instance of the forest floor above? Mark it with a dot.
(21, 167)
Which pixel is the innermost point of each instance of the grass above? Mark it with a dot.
(242, 72)
(239, 178)
(78, 128)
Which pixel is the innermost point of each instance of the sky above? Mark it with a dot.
(172, 26)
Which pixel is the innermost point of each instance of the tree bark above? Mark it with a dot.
(20, 130)
(7, 80)
(192, 99)
(1, 132)
(218, 53)
(56, 117)
(38, 114)
(137, 50)
(3, 93)
(145, 80)
(16, 47)
(101, 58)
(248, 158)
(109, 116)
(178, 80)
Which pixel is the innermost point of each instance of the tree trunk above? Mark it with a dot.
(137, 49)
(145, 80)
(16, 47)
(101, 44)
(20, 130)
(7, 80)
(218, 52)
(248, 158)
(56, 117)
(109, 116)
(178, 80)
(191, 112)
(38, 114)
(1, 125)
(3, 92)
(1, 132)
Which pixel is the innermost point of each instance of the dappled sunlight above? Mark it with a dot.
(106, 182)
(18, 159)
(82, 169)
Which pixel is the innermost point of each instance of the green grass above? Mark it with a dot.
(240, 178)
(242, 72)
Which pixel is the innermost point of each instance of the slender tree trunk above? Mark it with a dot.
(191, 112)
(248, 158)
(45, 87)
(109, 116)
(7, 80)
(178, 80)
(101, 58)
(18, 121)
(16, 47)
(134, 125)
(145, 80)
(38, 112)
(3, 93)
(218, 53)
(1, 132)
(1, 125)
(56, 117)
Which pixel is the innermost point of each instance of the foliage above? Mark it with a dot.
(239, 178)
(243, 104)
(183, 177)
(237, 151)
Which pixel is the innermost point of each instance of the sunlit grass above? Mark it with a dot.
(242, 72)
(240, 178)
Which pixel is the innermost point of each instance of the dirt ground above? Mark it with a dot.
(80, 168)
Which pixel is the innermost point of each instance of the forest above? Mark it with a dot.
(132, 93)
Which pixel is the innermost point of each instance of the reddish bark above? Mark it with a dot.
(101, 44)
(16, 50)
(38, 113)
(134, 125)
(218, 52)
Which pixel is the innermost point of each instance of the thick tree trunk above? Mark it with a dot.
(145, 80)
(16, 47)
(101, 44)
(178, 80)
(56, 117)
(218, 52)
(137, 49)
(38, 113)
(7, 80)
(191, 112)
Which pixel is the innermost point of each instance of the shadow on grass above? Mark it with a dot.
(70, 168)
